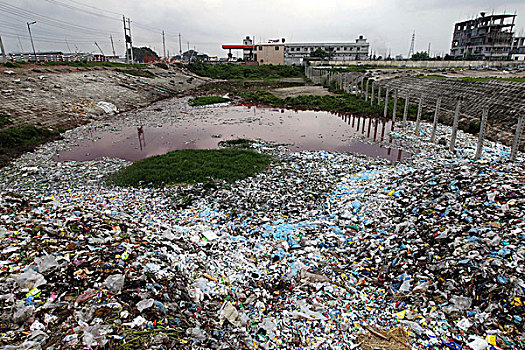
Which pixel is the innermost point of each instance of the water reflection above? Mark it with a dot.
(204, 128)
(142, 139)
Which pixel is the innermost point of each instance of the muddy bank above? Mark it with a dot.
(65, 97)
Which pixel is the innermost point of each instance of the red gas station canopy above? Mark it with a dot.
(237, 47)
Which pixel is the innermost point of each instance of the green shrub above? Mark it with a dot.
(240, 72)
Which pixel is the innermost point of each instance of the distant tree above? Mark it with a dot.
(140, 52)
(420, 56)
(189, 55)
(331, 53)
(320, 53)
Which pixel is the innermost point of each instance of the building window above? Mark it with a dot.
(277, 48)
(260, 48)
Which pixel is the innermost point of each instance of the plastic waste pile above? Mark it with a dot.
(321, 251)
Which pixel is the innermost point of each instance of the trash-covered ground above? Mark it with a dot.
(321, 251)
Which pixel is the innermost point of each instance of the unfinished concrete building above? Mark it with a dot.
(518, 48)
(485, 37)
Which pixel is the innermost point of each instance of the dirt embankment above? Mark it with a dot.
(65, 97)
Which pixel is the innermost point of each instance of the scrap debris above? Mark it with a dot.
(320, 251)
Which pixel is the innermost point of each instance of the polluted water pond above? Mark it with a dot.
(146, 135)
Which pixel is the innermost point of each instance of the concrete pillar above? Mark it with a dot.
(517, 139)
(362, 81)
(482, 130)
(4, 55)
(366, 91)
(436, 118)
(385, 113)
(419, 111)
(405, 111)
(394, 112)
(373, 94)
(455, 126)
(378, 94)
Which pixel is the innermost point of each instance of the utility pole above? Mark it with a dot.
(127, 37)
(3, 50)
(412, 44)
(31, 36)
(130, 42)
(112, 45)
(164, 45)
(180, 46)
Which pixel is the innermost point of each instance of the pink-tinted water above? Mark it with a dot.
(203, 128)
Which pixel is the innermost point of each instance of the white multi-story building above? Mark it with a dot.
(295, 53)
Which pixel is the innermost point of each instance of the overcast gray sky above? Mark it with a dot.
(207, 24)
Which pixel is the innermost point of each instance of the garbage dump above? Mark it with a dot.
(321, 251)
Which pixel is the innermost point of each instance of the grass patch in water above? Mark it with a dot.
(207, 100)
(237, 143)
(192, 166)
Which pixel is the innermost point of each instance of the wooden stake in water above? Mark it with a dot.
(385, 113)
(436, 118)
(419, 111)
(455, 126)
(405, 112)
(517, 139)
(482, 131)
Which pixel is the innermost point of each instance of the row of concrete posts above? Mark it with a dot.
(356, 83)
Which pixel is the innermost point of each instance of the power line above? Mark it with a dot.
(45, 19)
(82, 10)
(96, 8)
(84, 38)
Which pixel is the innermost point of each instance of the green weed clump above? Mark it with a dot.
(348, 103)
(137, 72)
(24, 136)
(15, 141)
(514, 79)
(4, 120)
(207, 100)
(240, 72)
(192, 166)
(11, 65)
(237, 143)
